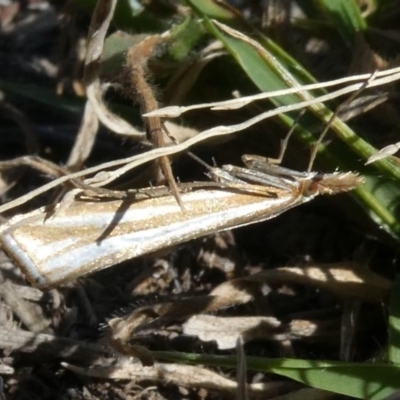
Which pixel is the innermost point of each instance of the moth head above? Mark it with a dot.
(337, 182)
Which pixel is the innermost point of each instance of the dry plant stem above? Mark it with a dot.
(49, 346)
(49, 168)
(136, 65)
(181, 375)
(100, 22)
(284, 143)
(84, 140)
(45, 166)
(35, 162)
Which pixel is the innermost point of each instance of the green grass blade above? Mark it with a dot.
(45, 96)
(359, 380)
(394, 324)
(345, 16)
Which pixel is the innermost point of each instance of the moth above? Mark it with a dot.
(93, 235)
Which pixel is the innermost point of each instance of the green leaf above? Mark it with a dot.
(183, 38)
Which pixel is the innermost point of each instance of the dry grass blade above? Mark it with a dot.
(101, 19)
(389, 75)
(383, 153)
(38, 163)
(84, 140)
